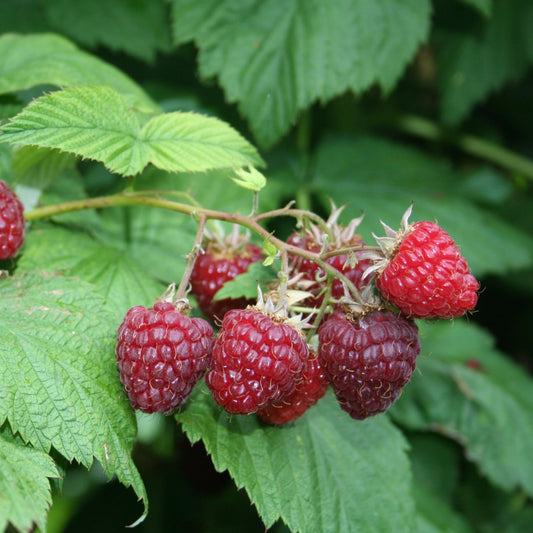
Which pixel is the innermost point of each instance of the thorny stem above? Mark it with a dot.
(191, 259)
(249, 222)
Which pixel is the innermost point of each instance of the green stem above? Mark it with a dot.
(469, 144)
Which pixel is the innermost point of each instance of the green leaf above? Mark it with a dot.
(98, 123)
(245, 285)
(38, 167)
(467, 390)
(47, 59)
(58, 376)
(114, 24)
(117, 276)
(25, 495)
(483, 6)
(290, 472)
(382, 178)
(436, 516)
(276, 58)
(473, 63)
(157, 239)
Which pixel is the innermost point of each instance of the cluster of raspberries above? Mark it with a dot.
(259, 362)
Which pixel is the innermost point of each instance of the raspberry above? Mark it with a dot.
(256, 361)
(368, 360)
(426, 275)
(312, 387)
(12, 222)
(221, 262)
(161, 354)
(312, 240)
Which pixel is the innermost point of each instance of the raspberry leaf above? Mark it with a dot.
(470, 392)
(25, 495)
(97, 122)
(115, 25)
(58, 375)
(47, 59)
(470, 68)
(245, 285)
(115, 274)
(288, 472)
(312, 52)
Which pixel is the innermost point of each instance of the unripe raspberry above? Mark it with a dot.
(161, 354)
(12, 223)
(368, 360)
(256, 361)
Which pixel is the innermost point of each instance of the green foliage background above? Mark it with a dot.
(370, 104)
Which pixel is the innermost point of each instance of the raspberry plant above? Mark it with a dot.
(133, 132)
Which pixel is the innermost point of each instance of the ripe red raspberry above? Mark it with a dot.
(313, 386)
(426, 275)
(256, 361)
(340, 237)
(161, 354)
(12, 222)
(221, 262)
(368, 360)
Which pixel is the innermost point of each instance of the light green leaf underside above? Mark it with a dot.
(114, 24)
(25, 495)
(474, 63)
(382, 179)
(488, 410)
(314, 51)
(58, 374)
(98, 123)
(48, 59)
(289, 472)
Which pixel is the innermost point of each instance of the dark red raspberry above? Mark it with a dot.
(221, 262)
(368, 360)
(256, 361)
(312, 387)
(426, 275)
(161, 354)
(312, 239)
(12, 222)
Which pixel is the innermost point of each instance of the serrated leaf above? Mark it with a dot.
(324, 473)
(98, 123)
(114, 24)
(25, 494)
(276, 58)
(245, 285)
(48, 59)
(117, 276)
(58, 375)
(382, 178)
(467, 390)
(474, 63)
